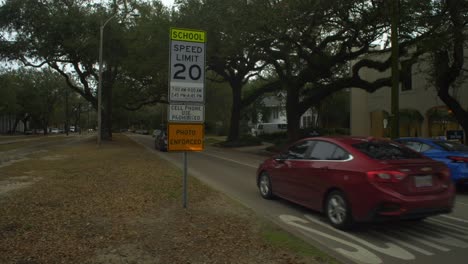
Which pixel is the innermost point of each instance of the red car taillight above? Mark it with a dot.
(458, 159)
(385, 176)
(445, 172)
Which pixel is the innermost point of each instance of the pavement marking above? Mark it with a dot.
(421, 240)
(461, 203)
(441, 238)
(403, 243)
(359, 254)
(390, 250)
(440, 229)
(231, 160)
(448, 224)
(455, 218)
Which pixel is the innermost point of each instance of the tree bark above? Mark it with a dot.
(235, 112)
(292, 112)
(448, 64)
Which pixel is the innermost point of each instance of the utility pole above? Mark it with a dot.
(395, 120)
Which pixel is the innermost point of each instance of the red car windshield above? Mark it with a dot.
(383, 150)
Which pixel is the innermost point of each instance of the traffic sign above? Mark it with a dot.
(186, 113)
(187, 65)
(186, 93)
(185, 137)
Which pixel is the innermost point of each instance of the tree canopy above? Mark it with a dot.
(310, 49)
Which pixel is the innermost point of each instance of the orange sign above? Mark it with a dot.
(185, 137)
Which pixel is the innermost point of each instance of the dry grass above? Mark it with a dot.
(121, 204)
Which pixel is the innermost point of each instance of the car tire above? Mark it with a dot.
(264, 186)
(338, 211)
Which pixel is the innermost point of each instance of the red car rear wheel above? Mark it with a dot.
(338, 211)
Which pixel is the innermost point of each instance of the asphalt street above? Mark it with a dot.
(441, 239)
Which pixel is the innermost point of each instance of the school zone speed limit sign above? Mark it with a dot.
(187, 66)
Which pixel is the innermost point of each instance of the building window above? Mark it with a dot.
(406, 76)
(275, 113)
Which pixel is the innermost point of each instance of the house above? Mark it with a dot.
(422, 113)
(276, 111)
(7, 123)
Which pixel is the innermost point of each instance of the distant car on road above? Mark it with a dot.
(156, 132)
(160, 141)
(141, 131)
(453, 154)
(269, 128)
(354, 179)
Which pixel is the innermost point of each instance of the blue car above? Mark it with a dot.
(453, 154)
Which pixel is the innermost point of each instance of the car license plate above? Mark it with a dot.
(423, 181)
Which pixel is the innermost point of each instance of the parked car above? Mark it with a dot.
(156, 132)
(353, 179)
(54, 130)
(142, 131)
(269, 128)
(160, 141)
(453, 154)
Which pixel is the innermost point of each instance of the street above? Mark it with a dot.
(435, 240)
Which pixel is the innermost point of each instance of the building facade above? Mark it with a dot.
(7, 123)
(422, 113)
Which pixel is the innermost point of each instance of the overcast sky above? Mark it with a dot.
(167, 2)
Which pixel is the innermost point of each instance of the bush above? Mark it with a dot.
(324, 132)
(274, 137)
(244, 141)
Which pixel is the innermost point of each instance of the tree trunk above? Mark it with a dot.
(460, 114)
(448, 64)
(15, 125)
(106, 113)
(292, 112)
(235, 113)
(25, 123)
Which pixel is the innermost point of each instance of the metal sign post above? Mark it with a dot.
(185, 180)
(186, 110)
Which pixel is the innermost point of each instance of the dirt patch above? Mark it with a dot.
(121, 204)
(16, 183)
(54, 157)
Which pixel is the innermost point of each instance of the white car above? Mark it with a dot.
(156, 132)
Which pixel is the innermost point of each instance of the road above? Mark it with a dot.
(441, 239)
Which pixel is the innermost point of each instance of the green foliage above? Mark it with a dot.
(334, 110)
(34, 96)
(282, 239)
(64, 35)
(243, 141)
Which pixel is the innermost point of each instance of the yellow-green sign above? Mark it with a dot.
(188, 35)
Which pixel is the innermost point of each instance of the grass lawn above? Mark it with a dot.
(122, 204)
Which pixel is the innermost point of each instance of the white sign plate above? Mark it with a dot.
(186, 113)
(187, 71)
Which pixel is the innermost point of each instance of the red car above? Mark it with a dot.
(354, 179)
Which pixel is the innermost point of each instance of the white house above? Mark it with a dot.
(277, 112)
